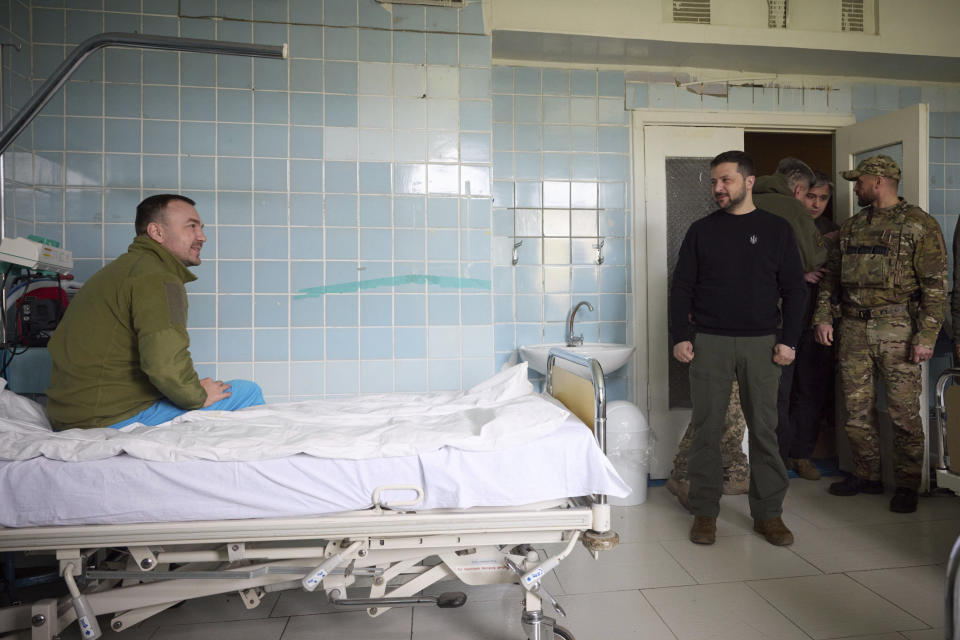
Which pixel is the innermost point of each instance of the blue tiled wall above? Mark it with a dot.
(18, 164)
(561, 169)
(346, 191)
(363, 198)
(863, 100)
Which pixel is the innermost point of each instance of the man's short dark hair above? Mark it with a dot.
(152, 209)
(741, 158)
(796, 171)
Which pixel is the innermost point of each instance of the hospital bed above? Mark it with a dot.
(371, 558)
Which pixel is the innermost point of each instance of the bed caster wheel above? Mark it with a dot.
(600, 540)
(561, 633)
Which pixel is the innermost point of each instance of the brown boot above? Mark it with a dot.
(679, 488)
(804, 468)
(774, 531)
(704, 530)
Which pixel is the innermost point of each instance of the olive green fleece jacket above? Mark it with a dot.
(773, 194)
(123, 343)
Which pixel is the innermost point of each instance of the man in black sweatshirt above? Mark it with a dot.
(737, 267)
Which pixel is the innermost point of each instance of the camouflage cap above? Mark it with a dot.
(879, 165)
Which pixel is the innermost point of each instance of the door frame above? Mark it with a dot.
(750, 121)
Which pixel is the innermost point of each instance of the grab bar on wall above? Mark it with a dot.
(135, 40)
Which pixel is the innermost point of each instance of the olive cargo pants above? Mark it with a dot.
(717, 361)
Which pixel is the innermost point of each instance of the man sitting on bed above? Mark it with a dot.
(121, 353)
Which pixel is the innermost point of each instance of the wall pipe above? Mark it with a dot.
(135, 40)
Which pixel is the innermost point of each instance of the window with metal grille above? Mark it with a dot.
(777, 14)
(691, 11)
(851, 15)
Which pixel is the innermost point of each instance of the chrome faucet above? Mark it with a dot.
(572, 340)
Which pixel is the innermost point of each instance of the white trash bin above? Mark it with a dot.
(628, 449)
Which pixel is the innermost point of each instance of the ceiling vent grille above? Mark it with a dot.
(777, 14)
(457, 4)
(691, 11)
(851, 15)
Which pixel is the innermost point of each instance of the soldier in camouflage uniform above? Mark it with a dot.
(736, 467)
(890, 268)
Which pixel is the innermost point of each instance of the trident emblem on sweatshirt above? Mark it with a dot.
(753, 239)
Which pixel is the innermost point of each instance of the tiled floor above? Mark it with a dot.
(856, 571)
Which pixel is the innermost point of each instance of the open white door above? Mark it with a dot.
(902, 135)
(676, 191)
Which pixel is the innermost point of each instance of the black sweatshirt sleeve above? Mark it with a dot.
(681, 290)
(792, 289)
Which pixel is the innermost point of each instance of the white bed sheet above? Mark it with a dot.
(123, 489)
(501, 411)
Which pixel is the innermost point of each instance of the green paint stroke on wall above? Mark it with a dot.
(376, 283)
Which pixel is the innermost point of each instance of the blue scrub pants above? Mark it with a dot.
(243, 393)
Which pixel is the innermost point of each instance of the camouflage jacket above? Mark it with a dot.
(886, 257)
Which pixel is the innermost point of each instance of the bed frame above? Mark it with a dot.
(376, 559)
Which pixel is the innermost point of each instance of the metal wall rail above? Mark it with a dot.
(134, 40)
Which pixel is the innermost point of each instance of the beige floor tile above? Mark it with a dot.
(225, 606)
(662, 518)
(834, 606)
(392, 625)
(659, 518)
(476, 621)
(813, 502)
(634, 565)
(737, 558)
(618, 615)
(863, 547)
(266, 629)
(297, 602)
(721, 612)
(878, 636)
(924, 634)
(916, 590)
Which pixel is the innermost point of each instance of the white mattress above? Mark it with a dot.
(123, 489)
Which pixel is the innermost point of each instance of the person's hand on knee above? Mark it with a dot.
(216, 390)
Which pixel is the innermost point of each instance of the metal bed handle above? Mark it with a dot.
(942, 382)
(599, 393)
(380, 504)
(952, 608)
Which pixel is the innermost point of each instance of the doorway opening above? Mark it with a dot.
(816, 149)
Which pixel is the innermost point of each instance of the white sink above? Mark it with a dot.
(610, 356)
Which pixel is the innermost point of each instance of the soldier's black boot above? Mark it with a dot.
(904, 500)
(852, 485)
